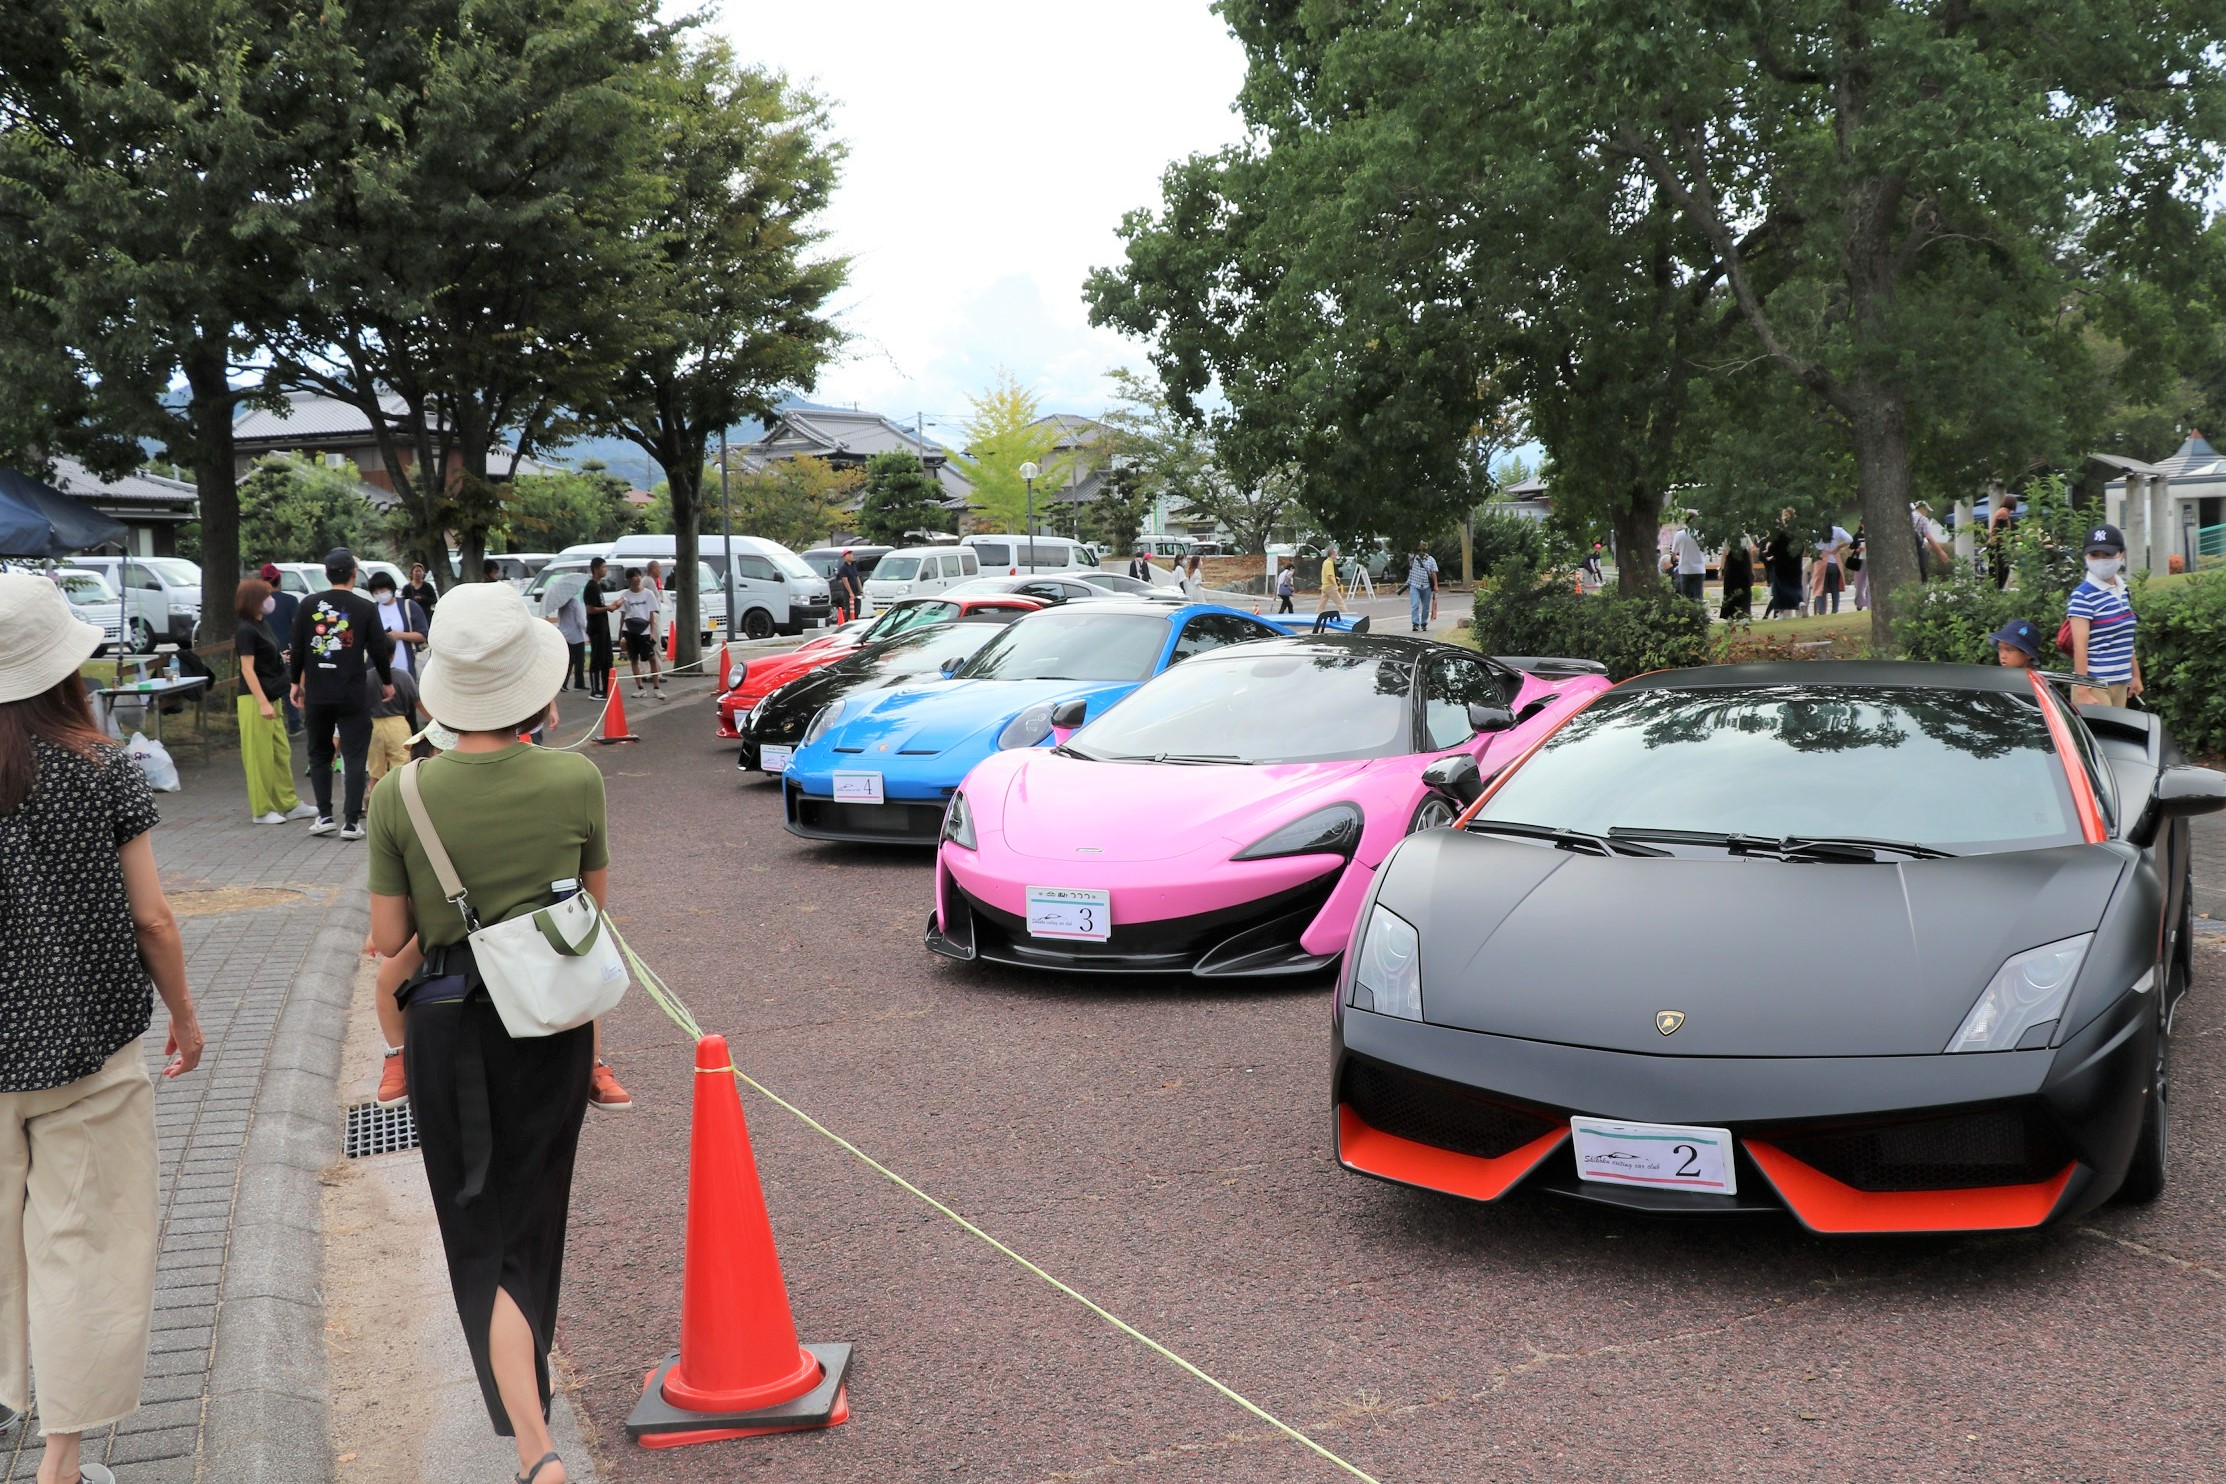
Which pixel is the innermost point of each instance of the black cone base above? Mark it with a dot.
(657, 1423)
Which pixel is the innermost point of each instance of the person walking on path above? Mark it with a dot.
(1194, 587)
(850, 588)
(404, 622)
(637, 619)
(498, 1119)
(1422, 574)
(1858, 575)
(1286, 587)
(84, 927)
(337, 636)
(570, 619)
(266, 755)
(1781, 564)
(420, 590)
(1140, 567)
(1825, 580)
(281, 620)
(1331, 601)
(1738, 569)
(2100, 616)
(1692, 564)
(393, 719)
(600, 605)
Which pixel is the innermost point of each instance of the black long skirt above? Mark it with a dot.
(499, 1123)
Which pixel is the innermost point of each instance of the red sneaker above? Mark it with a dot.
(604, 1092)
(394, 1085)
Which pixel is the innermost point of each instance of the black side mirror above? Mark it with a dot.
(1067, 715)
(1532, 708)
(2183, 791)
(949, 667)
(1455, 776)
(1489, 718)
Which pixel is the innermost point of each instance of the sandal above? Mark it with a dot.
(535, 1472)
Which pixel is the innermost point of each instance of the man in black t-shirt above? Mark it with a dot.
(600, 605)
(420, 590)
(337, 638)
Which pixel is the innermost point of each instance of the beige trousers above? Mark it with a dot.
(77, 1244)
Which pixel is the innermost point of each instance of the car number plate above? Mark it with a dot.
(774, 759)
(858, 788)
(1663, 1155)
(1070, 912)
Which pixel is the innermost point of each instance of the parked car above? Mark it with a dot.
(919, 571)
(519, 567)
(1280, 775)
(825, 560)
(1015, 555)
(93, 601)
(1995, 1056)
(754, 680)
(564, 576)
(1163, 548)
(164, 596)
(775, 591)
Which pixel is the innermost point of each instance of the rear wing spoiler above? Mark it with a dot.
(1547, 664)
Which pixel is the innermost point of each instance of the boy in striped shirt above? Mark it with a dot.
(2102, 623)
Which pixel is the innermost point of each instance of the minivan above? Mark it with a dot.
(827, 560)
(563, 578)
(1011, 556)
(162, 595)
(1167, 548)
(918, 570)
(773, 587)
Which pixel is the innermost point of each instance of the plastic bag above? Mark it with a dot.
(154, 761)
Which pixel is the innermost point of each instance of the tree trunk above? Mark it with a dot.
(1881, 437)
(684, 478)
(215, 484)
(1637, 524)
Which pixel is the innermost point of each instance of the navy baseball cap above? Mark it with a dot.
(2019, 634)
(2106, 537)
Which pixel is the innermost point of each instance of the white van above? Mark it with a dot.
(164, 596)
(1164, 548)
(917, 570)
(775, 590)
(1014, 556)
(563, 578)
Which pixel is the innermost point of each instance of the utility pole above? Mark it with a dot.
(726, 522)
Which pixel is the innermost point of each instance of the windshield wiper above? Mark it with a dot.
(1064, 750)
(1790, 847)
(1197, 757)
(1576, 840)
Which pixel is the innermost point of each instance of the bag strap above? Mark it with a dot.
(444, 869)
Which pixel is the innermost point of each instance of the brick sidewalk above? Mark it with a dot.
(244, 956)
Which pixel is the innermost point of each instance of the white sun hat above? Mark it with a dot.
(489, 662)
(41, 641)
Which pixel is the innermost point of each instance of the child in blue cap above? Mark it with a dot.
(2017, 644)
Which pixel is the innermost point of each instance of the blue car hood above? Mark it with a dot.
(929, 721)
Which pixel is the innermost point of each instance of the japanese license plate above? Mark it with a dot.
(1663, 1155)
(858, 788)
(774, 759)
(1070, 912)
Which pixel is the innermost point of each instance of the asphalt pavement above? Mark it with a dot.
(1164, 1149)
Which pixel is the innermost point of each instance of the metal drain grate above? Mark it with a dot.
(376, 1130)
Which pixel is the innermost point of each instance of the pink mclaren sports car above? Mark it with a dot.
(1226, 818)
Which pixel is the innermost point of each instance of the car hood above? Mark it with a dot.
(1154, 811)
(1763, 958)
(933, 719)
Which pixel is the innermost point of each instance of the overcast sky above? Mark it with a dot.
(993, 146)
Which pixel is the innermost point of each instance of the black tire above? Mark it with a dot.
(2152, 1151)
(139, 637)
(1435, 812)
(757, 624)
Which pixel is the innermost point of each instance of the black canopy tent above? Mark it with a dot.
(38, 520)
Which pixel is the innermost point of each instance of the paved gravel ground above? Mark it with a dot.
(1165, 1150)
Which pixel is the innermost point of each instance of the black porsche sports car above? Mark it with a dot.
(1893, 947)
(776, 724)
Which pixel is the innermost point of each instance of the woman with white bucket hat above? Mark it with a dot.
(83, 928)
(498, 1119)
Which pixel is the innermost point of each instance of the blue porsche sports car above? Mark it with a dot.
(881, 766)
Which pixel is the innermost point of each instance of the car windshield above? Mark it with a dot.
(981, 587)
(1959, 770)
(174, 571)
(1073, 645)
(789, 562)
(896, 569)
(907, 618)
(85, 587)
(1263, 708)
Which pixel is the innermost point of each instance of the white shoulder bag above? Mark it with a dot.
(547, 971)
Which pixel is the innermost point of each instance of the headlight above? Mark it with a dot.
(1387, 967)
(741, 673)
(2028, 991)
(1331, 831)
(827, 717)
(958, 822)
(1026, 729)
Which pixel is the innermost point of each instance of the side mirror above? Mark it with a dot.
(2183, 791)
(950, 665)
(1068, 715)
(1532, 708)
(1456, 777)
(1489, 718)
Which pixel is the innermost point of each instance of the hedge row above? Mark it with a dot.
(1517, 614)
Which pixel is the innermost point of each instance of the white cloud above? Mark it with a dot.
(993, 146)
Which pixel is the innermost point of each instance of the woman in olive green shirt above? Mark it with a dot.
(498, 1119)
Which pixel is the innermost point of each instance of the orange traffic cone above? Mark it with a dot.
(614, 717)
(726, 668)
(672, 643)
(740, 1371)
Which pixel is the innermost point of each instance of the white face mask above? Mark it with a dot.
(2102, 569)
(270, 606)
(386, 599)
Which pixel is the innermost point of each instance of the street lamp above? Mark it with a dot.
(1028, 472)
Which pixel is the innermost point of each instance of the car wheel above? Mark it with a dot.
(2144, 1180)
(142, 637)
(1435, 812)
(757, 624)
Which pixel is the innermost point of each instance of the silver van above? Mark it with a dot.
(1016, 556)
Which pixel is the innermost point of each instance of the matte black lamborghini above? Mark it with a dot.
(1892, 947)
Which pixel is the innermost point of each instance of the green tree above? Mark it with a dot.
(901, 496)
(1004, 433)
(296, 510)
(1117, 514)
(797, 502)
(732, 279)
(548, 512)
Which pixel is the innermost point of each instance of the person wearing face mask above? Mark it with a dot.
(265, 753)
(404, 621)
(281, 621)
(2100, 617)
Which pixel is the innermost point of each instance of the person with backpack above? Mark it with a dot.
(2099, 625)
(338, 636)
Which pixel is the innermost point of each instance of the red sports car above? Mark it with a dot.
(759, 678)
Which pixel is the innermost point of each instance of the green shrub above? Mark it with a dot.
(2182, 640)
(1658, 630)
(1949, 622)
